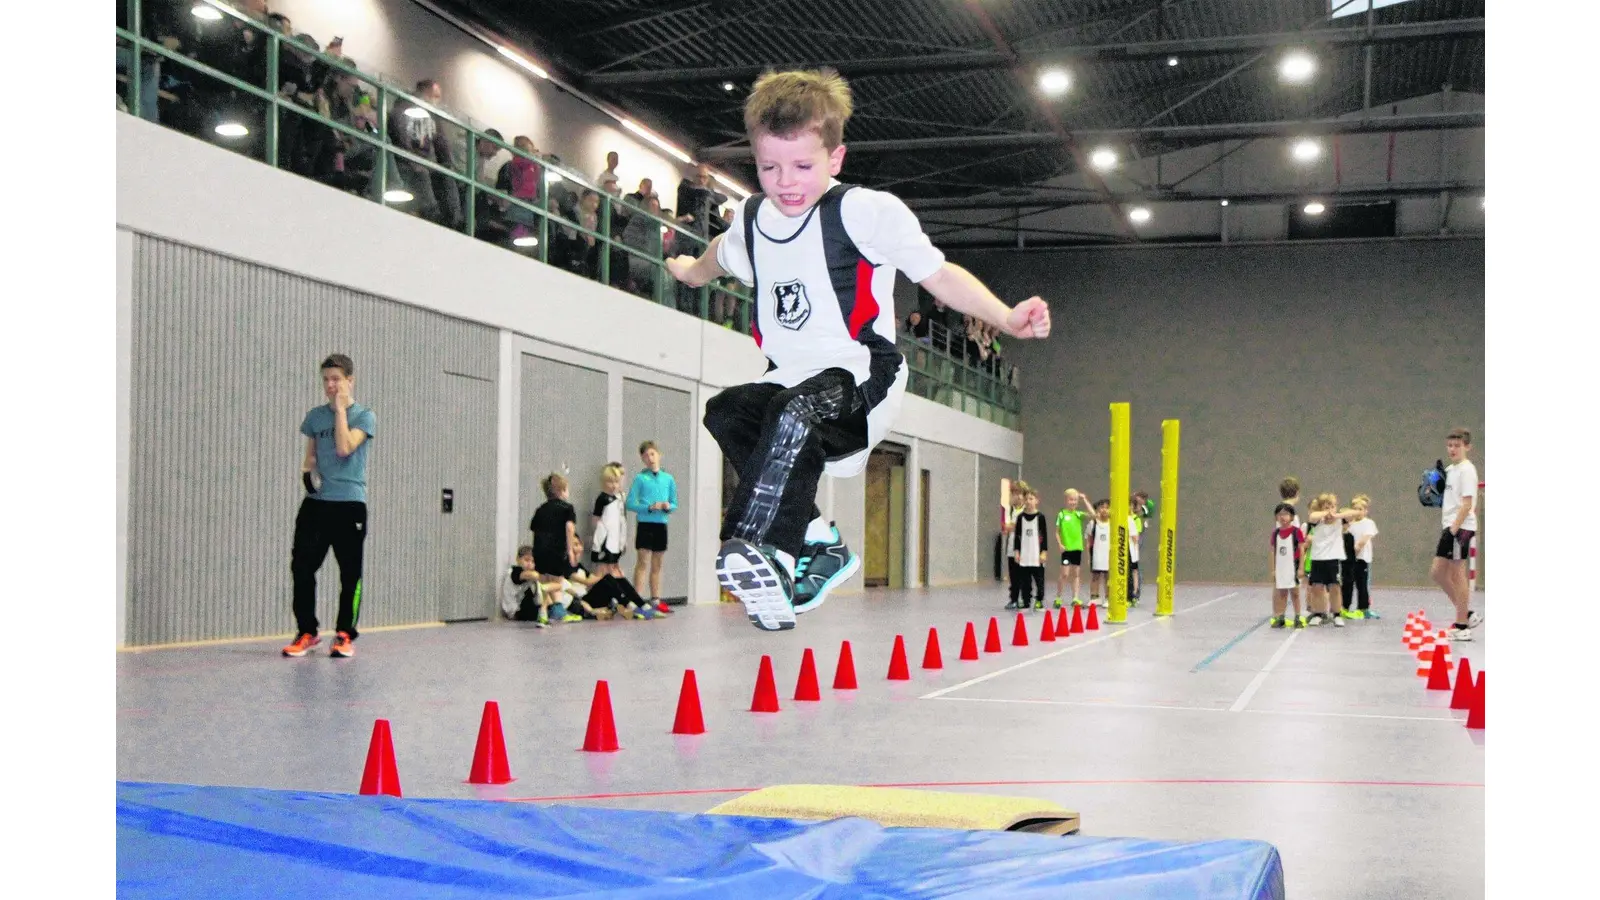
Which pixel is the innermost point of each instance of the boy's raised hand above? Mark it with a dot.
(1029, 319)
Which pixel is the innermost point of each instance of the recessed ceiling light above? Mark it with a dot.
(727, 85)
(1139, 215)
(526, 240)
(206, 11)
(1104, 159)
(1224, 202)
(1306, 150)
(1315, 209)
(395, 195)
(416, 112)
(1297, 67)
(1172, 61)
(1054, 81)
(232, 130)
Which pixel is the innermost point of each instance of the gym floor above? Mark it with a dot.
(1205, 725)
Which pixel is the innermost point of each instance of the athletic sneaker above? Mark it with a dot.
(1474, 619)
(1338, 621)
(342, 646)
(1058, 603)
(754, 575)
(1370, 614)
(1300, 622)
(302, 645)
(1012, 605)
(1460, 632)
(1038, 604)
(822, 566)
(1279, 622)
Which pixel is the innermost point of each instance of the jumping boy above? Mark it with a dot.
(822, 256)
(1460, 527)
(1070, 523)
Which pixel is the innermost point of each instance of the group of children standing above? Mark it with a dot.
(1027, 546)
(548, 582)
(1339, 559)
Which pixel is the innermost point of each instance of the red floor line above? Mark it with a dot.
(691, 792)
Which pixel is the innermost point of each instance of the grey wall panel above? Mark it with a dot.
(953, 523)
(563, 430)
(224, 369)
(1344, 364)
(652, 412)
(850, 516)
(990, 472)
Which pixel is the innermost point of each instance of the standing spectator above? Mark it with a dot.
(610, 171)
(652, 500)
(697, 199)
(647, 189)
(521, 178)
(643, 233)
(334, 512)
(414, 129)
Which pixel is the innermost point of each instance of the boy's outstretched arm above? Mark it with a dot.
(698, 272)
(960, 290)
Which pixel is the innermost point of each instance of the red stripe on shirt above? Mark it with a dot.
(866, 305)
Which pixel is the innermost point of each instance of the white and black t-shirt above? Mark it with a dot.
(1327, 541)
(1366, 528)
(824, 292)
(1027, 539)
(1461, 483)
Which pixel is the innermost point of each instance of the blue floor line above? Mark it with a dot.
(1216, 654)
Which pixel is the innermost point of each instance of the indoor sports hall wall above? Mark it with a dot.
(486, 370)
(1341, 363)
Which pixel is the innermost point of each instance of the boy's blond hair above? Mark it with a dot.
(553, 484)
(1361, 500)
(784, 104)
(1324, 501)
(611, 472)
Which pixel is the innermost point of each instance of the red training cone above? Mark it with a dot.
(489, 765)
(844, 678)
(1047, 631)
(1063, 627)
(969, 643)
(689, 719)
(381, 776)
(601, 736)
(1094, 619)
(1475, 715)
(806, 688)
(1077, 620)
(766, 696)
(991, 643)
(1439, 669)
(898, 669)
(931, 657)
(1019, 635)
(1462, 698)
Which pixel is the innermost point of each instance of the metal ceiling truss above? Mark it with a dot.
(997, 59)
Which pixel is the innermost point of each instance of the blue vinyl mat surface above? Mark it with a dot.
(226, 842)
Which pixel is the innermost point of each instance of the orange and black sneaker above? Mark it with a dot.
(342, 646)
(302, 645)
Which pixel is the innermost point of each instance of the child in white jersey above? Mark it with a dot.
(1327, 552)
(1359, 532)
(1100, 553)
(1287, 542)
(822, 258)
(1029, 547)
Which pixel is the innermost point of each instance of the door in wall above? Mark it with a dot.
(883, 556)
(924, 497)
(464, 495)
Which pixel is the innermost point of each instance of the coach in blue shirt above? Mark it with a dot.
(651, 498)
(334, 511)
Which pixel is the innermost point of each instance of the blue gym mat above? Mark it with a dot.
(223, 842)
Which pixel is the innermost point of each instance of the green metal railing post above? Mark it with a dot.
(605, 241)
(383, 144)
(472, 185)
(274, 86)
(136, 64)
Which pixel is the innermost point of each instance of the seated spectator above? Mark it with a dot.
(586, 261)
(918, 326)
(644, 234)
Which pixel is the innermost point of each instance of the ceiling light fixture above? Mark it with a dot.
(515, 57)
(232, 130)
(1054, 82)
(1104, 159)
(1139, 215)
(727, 85)
(206, 12)
(640, 130)
(1172, 61)
(1306, 150)
(395, 195)
(1315, 209)
(1297, 67)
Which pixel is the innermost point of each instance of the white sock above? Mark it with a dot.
(784, 559)
(819, 532)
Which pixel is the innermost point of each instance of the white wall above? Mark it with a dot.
(185, 190)
(406, 43)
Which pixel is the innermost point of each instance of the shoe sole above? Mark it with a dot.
(341, 654)
(744, 572)
(850, 568)
(302, 653)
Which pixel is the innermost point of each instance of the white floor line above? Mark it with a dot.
(1068, 649)
(1260, 712)
(1261, 676)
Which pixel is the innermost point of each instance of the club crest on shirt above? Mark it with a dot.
(794, 307)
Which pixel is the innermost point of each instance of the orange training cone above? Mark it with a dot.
(1439, 669)
(1425, 656)
(1077, 620)
(1094, 619)
(844, 677)
(1047, 631)
(969, 643)
(601, 736)
(932, 658)
(489, 765)
(1063, 627)
(381, 776)
(1462, 697)
(807, 688)
(689, 719)
(766, 696)
(1019, 635)
(1475, 715)
(899, 670)
(991, 644)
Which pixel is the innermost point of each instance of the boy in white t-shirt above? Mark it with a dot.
(822, 258)
(1287, 542)
(1100, 554)
(1460, 520)
(1029, 546)
(1359, 531)
(1327, 552)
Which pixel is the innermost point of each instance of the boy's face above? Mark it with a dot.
(1103, 513)
(1284, 519)
(1071, 499)
(794, 171)
(1455, 449)
(652, 459)
(333, 378)
(1032, 503)
(1361, 511)
(525, 560)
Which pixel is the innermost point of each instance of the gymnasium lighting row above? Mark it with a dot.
(213, 10)
(1296, 67)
